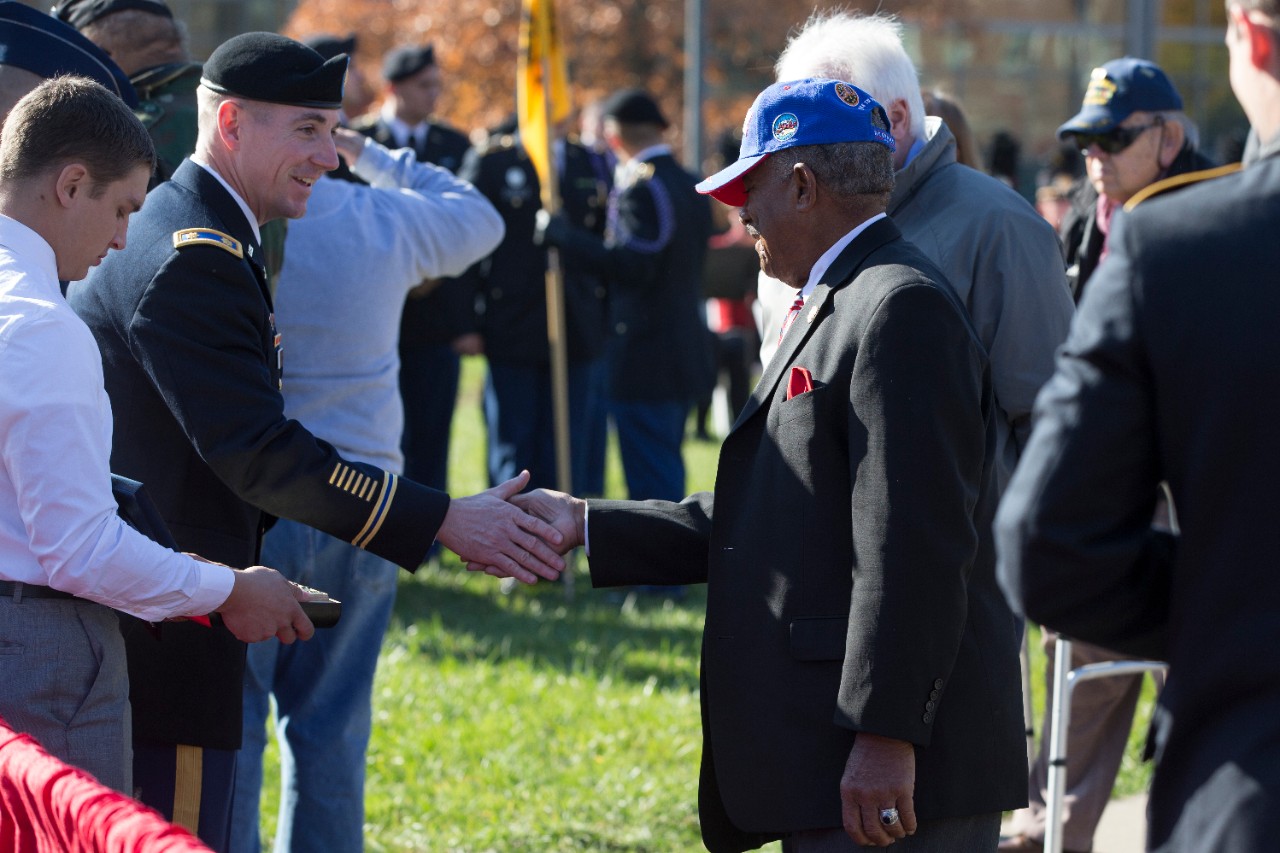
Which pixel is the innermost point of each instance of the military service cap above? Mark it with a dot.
(404, 62)
(45, 46)
(82, 13)
(278, 70)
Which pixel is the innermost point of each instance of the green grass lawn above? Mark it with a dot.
(535, 721)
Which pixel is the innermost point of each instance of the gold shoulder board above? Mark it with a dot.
(207, 237)
(1179, 181)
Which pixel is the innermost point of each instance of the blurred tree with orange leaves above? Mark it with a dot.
(609, 43)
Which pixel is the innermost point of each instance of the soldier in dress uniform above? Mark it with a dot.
(652, 255)
(511, 284)
(193, 366)
(438, 325)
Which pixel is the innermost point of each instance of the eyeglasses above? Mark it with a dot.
(1116, 140)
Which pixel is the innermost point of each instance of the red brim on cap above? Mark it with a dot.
(726, 184)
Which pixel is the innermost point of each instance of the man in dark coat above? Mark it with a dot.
(193, 363)
(1169, 374)
(653, 256)
(860, 681)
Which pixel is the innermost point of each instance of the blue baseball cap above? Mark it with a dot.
(801, 112)
(45, 46)
(1119, 89)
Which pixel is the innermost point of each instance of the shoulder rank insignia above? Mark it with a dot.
(1178, 182)
(207, 237)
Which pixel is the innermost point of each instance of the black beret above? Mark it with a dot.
(407, 61)
(43, 45)
(278, 70)
(82, 13)
(633, 106)
(330, 46)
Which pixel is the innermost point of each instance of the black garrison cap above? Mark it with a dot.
(633, 106)
(45, 46)
(330, 46)
(278, 70)
(407, 61)
(82, 13)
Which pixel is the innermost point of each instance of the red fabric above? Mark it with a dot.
(726, 314)
(47, 806)
(800, 382)
(792, 313)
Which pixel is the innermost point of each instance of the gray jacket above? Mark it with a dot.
(1004, 262)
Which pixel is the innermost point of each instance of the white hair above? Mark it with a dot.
(865, 50)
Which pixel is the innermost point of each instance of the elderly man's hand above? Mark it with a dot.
(485, 529)
(879, 775)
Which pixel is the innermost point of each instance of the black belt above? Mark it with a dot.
(18, 589)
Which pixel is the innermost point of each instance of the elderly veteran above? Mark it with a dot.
(860, 678)
(193, 361)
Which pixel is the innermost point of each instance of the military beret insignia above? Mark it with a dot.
(207, 237)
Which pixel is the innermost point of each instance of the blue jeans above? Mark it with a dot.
(649, 438)
(520, 416)
(322, 690)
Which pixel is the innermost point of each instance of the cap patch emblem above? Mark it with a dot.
(785, 126)
(847, 94)
(1101, 89)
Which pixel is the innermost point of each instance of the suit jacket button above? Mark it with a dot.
(928, 718)
(933, 694)
(621, 328)
(928, 706)
(938, 684)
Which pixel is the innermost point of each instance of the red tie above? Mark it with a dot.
(791, 317)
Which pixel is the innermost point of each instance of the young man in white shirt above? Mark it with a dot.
(66, 558)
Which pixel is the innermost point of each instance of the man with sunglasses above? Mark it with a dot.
(1134, 137)
(1132, 133)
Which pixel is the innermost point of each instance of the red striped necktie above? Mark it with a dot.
(791, 317)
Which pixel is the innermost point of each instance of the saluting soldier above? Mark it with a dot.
(511, 284)
(193, 364)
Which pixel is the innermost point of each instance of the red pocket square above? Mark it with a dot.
(801, 382)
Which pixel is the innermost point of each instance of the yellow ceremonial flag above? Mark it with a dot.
(541, 106)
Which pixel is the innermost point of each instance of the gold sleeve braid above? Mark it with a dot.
(380, 492)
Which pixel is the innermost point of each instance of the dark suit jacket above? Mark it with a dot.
(1171, 373)
(511, 282)
(447, 311)
(653, 256)
(848, 561)
(192, 366)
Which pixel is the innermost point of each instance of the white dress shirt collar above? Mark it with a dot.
(36, 254)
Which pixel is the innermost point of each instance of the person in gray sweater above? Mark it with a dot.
(349, 264)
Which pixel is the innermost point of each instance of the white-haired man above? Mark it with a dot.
(1000, 256)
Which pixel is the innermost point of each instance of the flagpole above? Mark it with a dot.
(556, 332)
(542, 74)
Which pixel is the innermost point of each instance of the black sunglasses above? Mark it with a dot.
(1114, 141)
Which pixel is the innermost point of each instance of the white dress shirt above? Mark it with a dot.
(58, 521)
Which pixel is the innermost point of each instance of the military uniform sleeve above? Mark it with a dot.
(202, 334)
(642, 225)
(918, 442)
(1077, 550)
